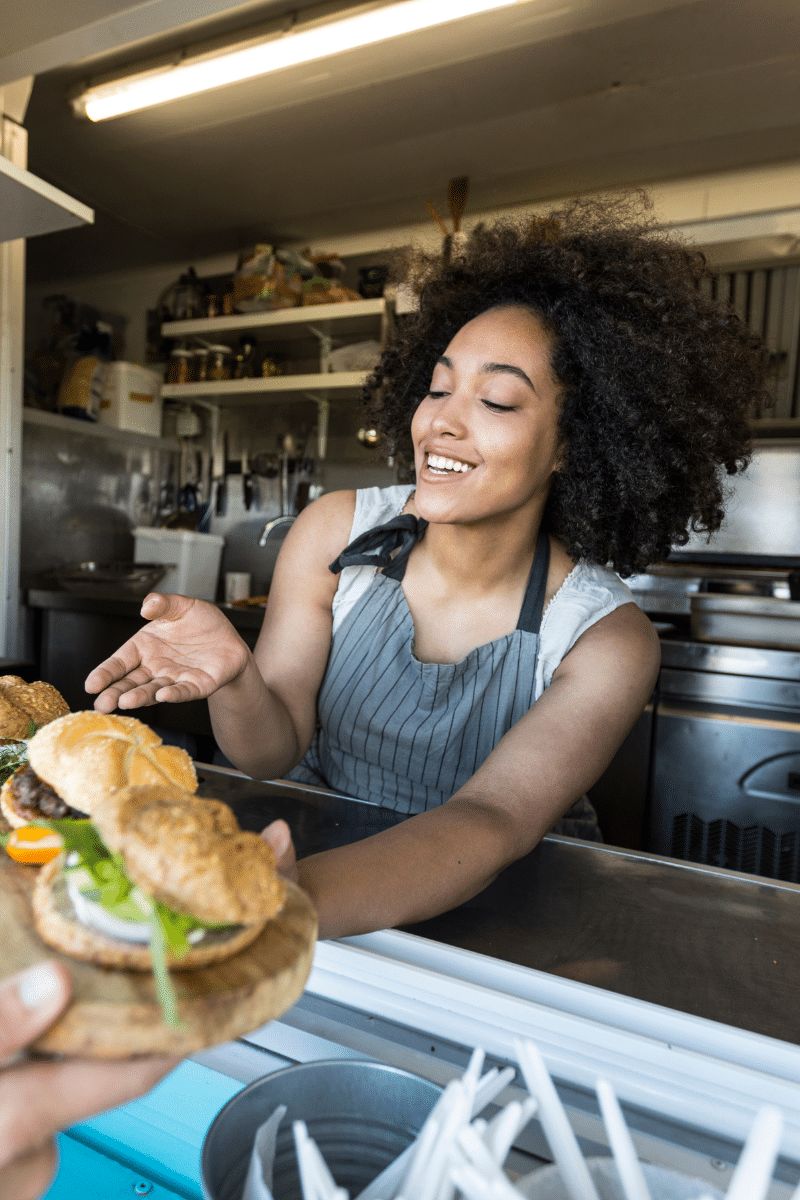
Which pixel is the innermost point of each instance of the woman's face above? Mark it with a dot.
(485, 437)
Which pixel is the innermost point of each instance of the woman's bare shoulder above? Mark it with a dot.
(325, 524)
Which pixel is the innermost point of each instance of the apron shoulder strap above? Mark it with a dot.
(376, 547)
(530, 617)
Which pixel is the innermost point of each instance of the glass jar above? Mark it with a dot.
(200, 365)
(179, 367)
(219, 366)
(243, 367)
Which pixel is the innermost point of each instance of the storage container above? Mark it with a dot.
(362, 1115)
(193, 559)
(131, 399)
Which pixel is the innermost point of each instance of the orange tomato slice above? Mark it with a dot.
(31, 844)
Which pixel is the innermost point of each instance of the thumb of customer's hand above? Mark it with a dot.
(29, 1003)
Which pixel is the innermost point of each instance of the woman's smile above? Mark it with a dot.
(486, 436)
(438, 464)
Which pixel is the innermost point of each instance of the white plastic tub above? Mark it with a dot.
(193, 559)
(131, 399)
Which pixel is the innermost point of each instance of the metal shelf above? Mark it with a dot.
(36, 416)
(29, 206)
(345, 319)
(339, 384)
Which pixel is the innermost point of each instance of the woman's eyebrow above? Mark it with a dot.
(495, 368)
(508, 369)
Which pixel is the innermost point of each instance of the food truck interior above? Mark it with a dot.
(192, 294)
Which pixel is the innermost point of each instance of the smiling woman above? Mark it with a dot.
(459, 648)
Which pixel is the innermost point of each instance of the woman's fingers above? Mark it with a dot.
(278, 836)
(114, 669)
(29, 1002)
(28, 1178)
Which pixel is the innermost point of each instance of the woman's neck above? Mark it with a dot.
(483, 555)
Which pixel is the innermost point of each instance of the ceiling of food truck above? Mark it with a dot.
(541, 99)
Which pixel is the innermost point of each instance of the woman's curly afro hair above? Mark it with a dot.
(658, 379)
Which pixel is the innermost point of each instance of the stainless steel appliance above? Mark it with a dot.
(725, 768)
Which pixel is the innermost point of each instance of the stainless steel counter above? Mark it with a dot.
(707, 942)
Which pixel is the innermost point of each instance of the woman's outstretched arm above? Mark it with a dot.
(262, 705)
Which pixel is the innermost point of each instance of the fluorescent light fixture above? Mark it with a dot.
(202, 73)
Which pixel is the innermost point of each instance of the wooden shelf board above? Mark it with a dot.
(29, 206)
(36, 416)
(276, 387)
(351, 316)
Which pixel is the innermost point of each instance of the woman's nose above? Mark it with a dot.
(449, 416)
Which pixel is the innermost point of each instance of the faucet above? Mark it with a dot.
(273, 524)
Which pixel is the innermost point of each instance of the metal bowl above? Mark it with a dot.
(110, 579)
(361, 1114)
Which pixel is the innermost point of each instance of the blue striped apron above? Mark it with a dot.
(406, 734)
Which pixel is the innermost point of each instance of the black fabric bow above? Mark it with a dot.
(376, 547)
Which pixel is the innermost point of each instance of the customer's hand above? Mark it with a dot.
(39, 1098)
(187, 651)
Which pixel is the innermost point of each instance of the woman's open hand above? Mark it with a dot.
(187, 651)
(39, 1098)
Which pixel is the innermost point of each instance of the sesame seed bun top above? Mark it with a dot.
(22, 703)
(88, 756)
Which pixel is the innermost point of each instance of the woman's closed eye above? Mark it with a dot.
(490, 404)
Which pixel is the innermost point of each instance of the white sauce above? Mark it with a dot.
(94, 916)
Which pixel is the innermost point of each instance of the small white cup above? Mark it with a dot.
(237, 586)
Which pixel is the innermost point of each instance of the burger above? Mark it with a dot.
(181, 931)
(78, 759)
(158, 879)
(24, 708)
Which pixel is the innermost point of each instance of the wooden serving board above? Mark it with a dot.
(116, 1014)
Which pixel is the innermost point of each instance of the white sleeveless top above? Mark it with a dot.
(586, 595)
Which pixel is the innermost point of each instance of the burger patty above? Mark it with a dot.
(32, 795)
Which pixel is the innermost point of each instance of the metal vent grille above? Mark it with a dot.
(754, 848)
(768, 300)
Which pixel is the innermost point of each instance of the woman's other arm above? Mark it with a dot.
(441, 858)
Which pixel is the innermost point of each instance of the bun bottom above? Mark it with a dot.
(58, 925)
(7, 806)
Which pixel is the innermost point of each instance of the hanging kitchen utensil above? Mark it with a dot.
(247, 482)
(457, 192)
(434, 213)
(218, 474)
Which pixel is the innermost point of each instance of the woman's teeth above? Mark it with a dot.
(437, 463)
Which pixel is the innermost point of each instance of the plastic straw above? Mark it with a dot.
(490, 1087)
(477, 1151)
(470, 1182)
(753, 1173)
(631, 1176)
(554, 1121)
(392, 1177)
(439, 1162)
